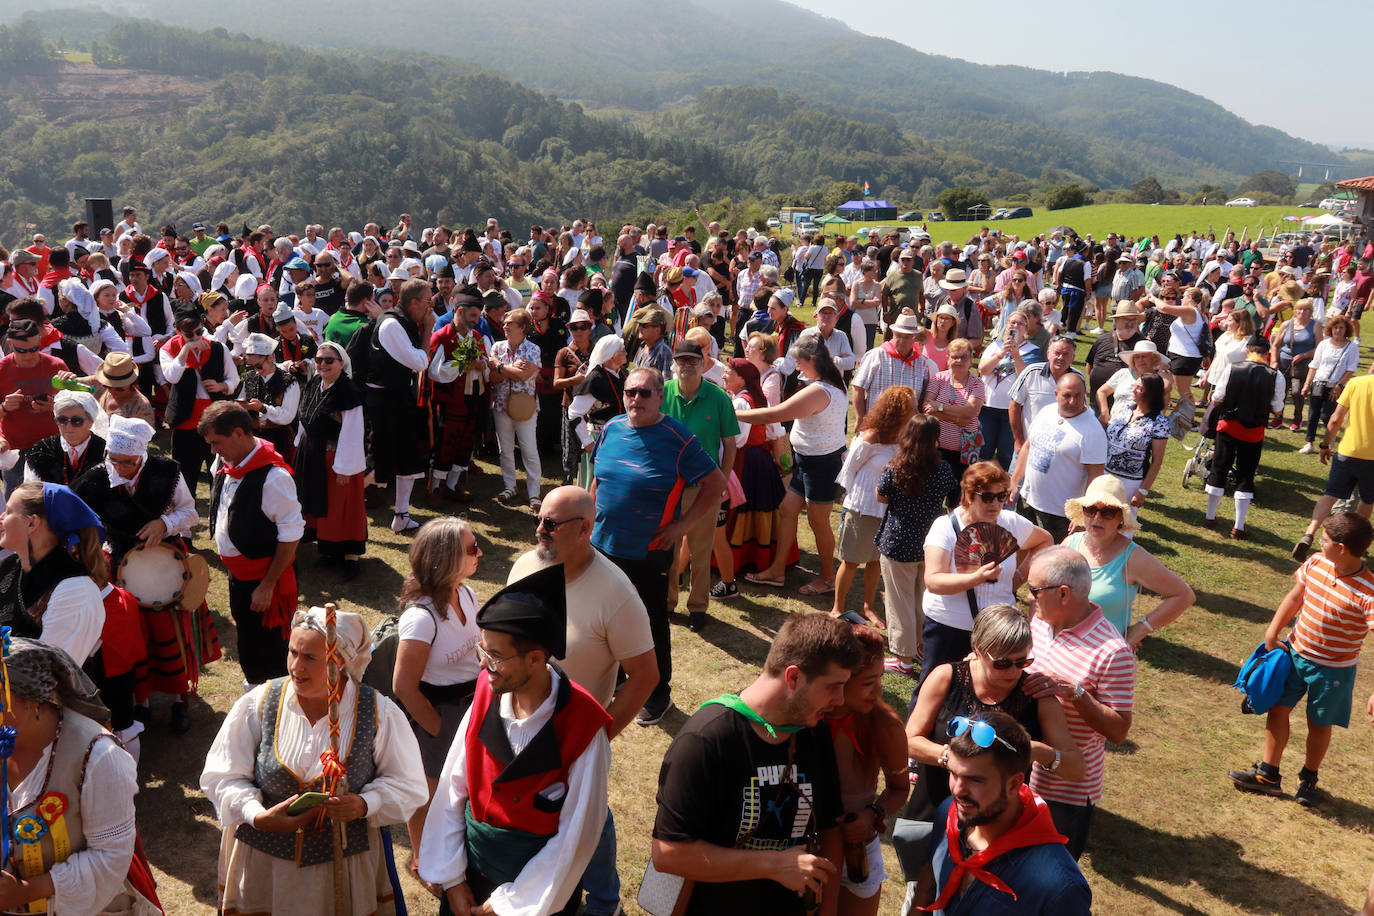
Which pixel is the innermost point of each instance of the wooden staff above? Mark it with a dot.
(340, 780)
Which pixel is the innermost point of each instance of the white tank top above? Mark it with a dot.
(822, 433)
(1183, 338)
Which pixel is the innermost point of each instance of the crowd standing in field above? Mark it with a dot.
(694, 416)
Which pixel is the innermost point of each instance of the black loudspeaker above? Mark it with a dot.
(99, 214)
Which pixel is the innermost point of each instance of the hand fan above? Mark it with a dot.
(982, 543)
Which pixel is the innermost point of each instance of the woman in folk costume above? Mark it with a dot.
(597, 398)
(74, 846)
(143, 499)
(271, 746)
(331, 460)
(78, 447)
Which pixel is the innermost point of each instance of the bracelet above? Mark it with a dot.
(1325, 447)
(1143, 492)
(1145, 622)
(877, 810)
(944, 759)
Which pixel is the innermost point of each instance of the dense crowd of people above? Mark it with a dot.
(693, 416)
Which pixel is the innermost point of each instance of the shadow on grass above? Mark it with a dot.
(1166, 655)
(736, 642)
(1235, 607)
(1135, 857)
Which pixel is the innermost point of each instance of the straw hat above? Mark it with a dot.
(1145, 348)
(118, 370)
(1127, 309)
(1105, 490)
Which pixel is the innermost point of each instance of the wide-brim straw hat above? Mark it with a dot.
(1105, 490)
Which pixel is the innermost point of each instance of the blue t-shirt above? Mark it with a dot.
(1045, 878)
(640, 475)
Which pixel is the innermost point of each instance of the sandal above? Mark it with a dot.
(505, 496)
(817, 587)
(535, 503)
(760, 580)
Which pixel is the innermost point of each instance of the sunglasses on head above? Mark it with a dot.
(989, 497)
(981, 732)
(640, 392)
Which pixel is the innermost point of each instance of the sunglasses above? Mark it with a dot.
(981, 732)
(640, 392)
(988, 497)
(473, 550)
(327, 360)
(77, 422)
(1035, 590)
(551, 525)
(1005, 664)
(25, 349)
(579, 326)
(1103, 511)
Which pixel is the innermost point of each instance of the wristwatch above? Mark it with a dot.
(939, 408)
(1078, 692)
(1058, 759)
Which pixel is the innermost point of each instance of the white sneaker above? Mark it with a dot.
(1071, 335)
(1306, 449)
(1094, 331)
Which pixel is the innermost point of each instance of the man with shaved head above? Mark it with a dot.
(608, 629)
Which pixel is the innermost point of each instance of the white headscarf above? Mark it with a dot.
(604, 349)
(128, 436)
(99, 285)
(86, 403)
(354, 641)
(341, 353)
(246, 287)
(222, 273)
(75, 292)
(190, 278)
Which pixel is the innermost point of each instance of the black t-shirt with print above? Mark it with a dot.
(719, 779)
(329, 297)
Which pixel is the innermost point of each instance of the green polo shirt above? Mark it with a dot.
(710, 415)
(342, 325)
(905, 292)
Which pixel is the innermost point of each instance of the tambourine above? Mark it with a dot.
(163, 575)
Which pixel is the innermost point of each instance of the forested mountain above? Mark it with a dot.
(248, 129)
(1110, 129)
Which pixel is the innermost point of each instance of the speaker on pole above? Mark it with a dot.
(99, 214)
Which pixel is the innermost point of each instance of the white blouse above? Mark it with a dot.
(396, 791)
(863, 466)
(90, 879)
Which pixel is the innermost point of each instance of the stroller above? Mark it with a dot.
(1199, 463)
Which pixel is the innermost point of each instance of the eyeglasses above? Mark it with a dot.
(640, 392)
(1005, 664)
(489, 661)
(25, 349)
(551, 525)
(327, 360)
(579, 326)
(989, 497)
(1035, 590)
(76, 422)
(981, 732)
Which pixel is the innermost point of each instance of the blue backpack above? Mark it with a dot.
(1263, 677)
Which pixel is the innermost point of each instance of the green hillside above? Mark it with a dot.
(1111, 129)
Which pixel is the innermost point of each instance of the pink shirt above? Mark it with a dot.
(1092, 654)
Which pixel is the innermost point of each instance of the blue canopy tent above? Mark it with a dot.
(866, 211)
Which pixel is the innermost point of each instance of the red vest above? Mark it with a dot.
(504, 790)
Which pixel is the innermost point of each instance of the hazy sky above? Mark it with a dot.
(1317, 89)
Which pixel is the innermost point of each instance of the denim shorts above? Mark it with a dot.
(813, 478)
(1329, 691)
(1348, 473)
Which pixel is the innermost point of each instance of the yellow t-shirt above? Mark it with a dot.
(1358, 399)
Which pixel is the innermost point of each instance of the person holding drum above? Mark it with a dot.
(330, 461)
(144, 503)
(77, 448)
(264, 775)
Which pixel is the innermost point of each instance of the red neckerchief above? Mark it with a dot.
(344, 254)
(174, 346)
(261, 457)
(51, 337)
(133, 296)
(56, 276)
(1033, 828)
(294, 345)
(844, 725)
(26, 286)
(890, 348)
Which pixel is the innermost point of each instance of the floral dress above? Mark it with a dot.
(501, 352)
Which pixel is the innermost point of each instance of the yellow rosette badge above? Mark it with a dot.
(52, 806)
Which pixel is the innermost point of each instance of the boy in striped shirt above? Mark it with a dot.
(1333, 601)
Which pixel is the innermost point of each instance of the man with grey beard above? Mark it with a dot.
(608, 629)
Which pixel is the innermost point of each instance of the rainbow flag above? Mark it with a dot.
(867, 190)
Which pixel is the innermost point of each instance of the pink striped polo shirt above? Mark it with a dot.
(1092, 654)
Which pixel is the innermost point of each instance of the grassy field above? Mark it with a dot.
(1171, 835)
(1123, 219)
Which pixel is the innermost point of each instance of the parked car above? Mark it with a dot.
(1242, 202)
(936, 216)
(1333, 203)
(1310, 205)
(1019, 213)
(806, 229)
(774, 222)
(1001, 213)
(910, 215)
